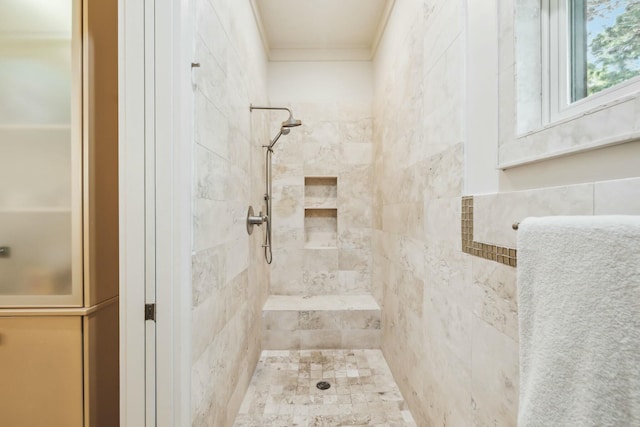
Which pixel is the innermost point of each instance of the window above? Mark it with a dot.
(591, 52)
(574, 74)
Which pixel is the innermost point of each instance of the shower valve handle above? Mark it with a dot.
(253, 219)
(257, 220)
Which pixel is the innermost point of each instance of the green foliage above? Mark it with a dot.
(616, 50)
(602, 8)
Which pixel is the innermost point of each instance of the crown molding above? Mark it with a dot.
(336, 53)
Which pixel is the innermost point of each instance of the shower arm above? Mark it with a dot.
(251, 108)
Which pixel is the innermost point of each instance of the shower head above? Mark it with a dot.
(291, 122)
(286, 125)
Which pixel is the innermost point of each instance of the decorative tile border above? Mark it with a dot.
(507, 256)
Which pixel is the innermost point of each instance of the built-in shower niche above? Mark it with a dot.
(320, 192)
(320, 213)
(321, 228)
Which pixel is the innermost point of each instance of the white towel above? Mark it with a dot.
(579, 308)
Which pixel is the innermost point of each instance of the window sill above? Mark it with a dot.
(587, 131)
(595, 145)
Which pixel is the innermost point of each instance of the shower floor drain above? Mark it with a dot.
(323, 385)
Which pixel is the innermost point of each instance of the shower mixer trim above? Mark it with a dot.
(253, 219)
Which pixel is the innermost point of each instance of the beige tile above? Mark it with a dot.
(316, 320)
(280, 340)
(495, 298)
(321, 302)
(494, 214)
(619, 197)
(361, 338)
(320, 339)
(282, 405)
(494, 385)
(280, 320)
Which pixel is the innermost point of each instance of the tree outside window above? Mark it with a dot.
(605, 44)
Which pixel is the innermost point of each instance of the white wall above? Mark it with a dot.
(320, 82)
(481, 109)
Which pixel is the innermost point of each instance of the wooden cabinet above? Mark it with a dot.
(59, 213)
(59, 369)
(41, 383)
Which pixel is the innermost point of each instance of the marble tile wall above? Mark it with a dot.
(323, 252)
(439, 305)
(230, 281)
(449, 319)
(495, 300)
(321, 322)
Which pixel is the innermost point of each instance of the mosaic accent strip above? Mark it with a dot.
(507, 256)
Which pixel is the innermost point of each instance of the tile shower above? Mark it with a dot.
(321, 273)
(368, 263)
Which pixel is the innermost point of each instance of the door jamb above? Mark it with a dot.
(174, 109)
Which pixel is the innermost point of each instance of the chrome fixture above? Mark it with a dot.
(259, 219)
(285, 127)
(289, 123)
(253, 219)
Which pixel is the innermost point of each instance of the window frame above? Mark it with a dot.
(526, 133)
(556, 40)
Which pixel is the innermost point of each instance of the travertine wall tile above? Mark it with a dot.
(353, 259)
(280, 340)
(619, 197)
(495, 296)
(428, 287)
(352, 282)
(320, 339)
(494, 376)
(316, 253)
(286, 280)
(281, 320)
(494, 214)
(328, 321)
(361, 338)
(229, 278)
(442, 220)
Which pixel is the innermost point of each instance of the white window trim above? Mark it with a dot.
(609, 118)
(556, 68)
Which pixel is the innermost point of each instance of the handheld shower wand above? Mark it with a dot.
(260, 219)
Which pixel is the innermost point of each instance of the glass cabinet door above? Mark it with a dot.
(40, 153)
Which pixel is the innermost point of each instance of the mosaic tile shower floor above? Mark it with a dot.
(283, 391)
